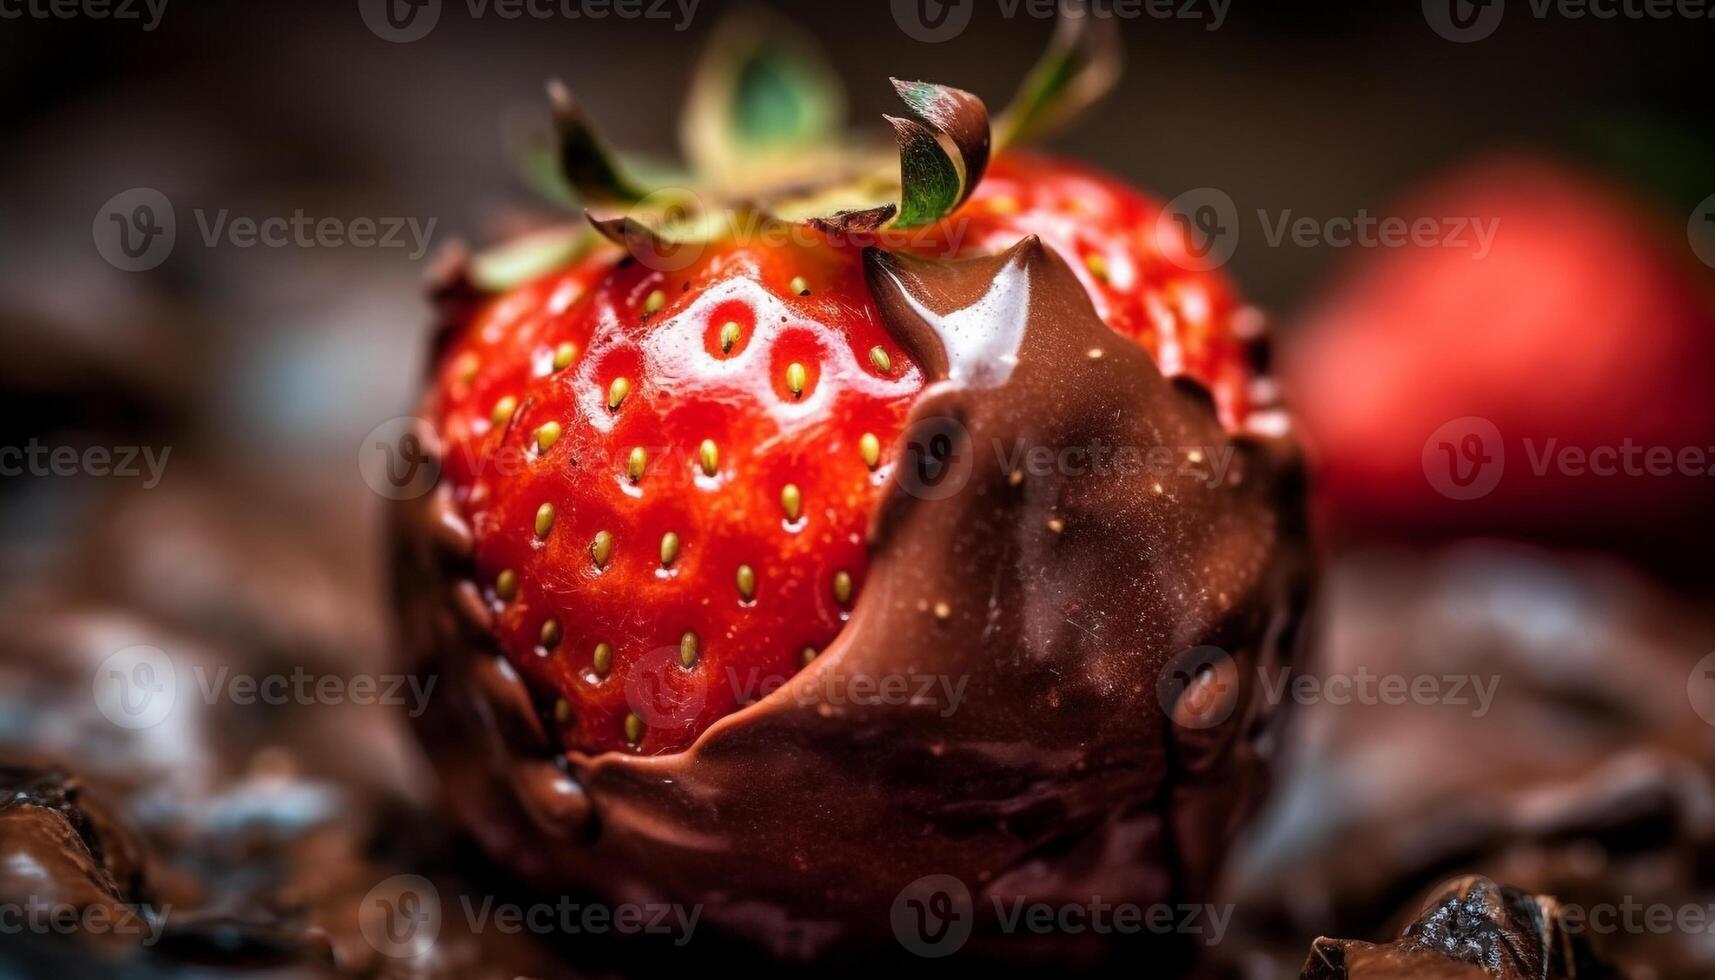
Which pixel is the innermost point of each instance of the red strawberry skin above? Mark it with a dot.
(1136, 267)
(643, 649)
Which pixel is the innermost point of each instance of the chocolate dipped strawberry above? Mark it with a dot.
(845, 518)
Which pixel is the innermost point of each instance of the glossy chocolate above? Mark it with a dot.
(1054, 599)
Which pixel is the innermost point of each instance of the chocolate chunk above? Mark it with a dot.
(1470, 930)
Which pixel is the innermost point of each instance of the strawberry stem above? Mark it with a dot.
(1082, 64)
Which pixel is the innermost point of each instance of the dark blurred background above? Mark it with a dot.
(261, 370)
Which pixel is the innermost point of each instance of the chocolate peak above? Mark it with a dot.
(964, 319)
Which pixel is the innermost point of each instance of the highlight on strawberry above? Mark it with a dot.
(700, 401)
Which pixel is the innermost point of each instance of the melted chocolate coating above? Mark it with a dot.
(1057, 599)
(1472, 930)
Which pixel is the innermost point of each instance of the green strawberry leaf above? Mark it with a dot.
(584, 159)
(929, 180)
(529, 257)
(532, 148)
(1082, 64)
(932, 181)
(939, 159)
(958, 115)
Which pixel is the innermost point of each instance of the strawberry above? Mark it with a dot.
(668, 466)
(1586, 327)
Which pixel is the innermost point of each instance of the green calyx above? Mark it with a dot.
(764, 136)
(764, 110)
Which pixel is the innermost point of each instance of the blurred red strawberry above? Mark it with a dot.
(1556, 387)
